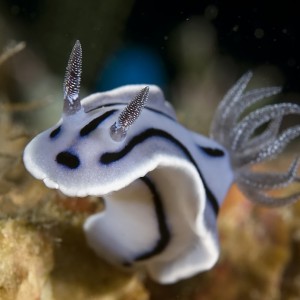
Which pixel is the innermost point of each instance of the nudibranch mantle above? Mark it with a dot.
(161, 183)
(150, 143)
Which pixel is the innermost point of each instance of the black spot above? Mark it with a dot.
(212, 151)
(55, 132)
(91, 126)
(68, 159)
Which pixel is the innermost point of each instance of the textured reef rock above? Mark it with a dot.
(43, 252)
(25, 261)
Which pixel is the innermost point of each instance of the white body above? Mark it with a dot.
(128, 227)
(162, 184)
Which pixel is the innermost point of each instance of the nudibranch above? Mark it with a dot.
(162, 184)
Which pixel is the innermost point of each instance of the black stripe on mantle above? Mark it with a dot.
(92, 125)
(145, 107)
(110, 157)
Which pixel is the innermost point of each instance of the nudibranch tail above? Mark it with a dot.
(72, 81)
(246, 147)
(129, 115)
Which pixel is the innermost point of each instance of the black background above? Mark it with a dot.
(150, 21)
